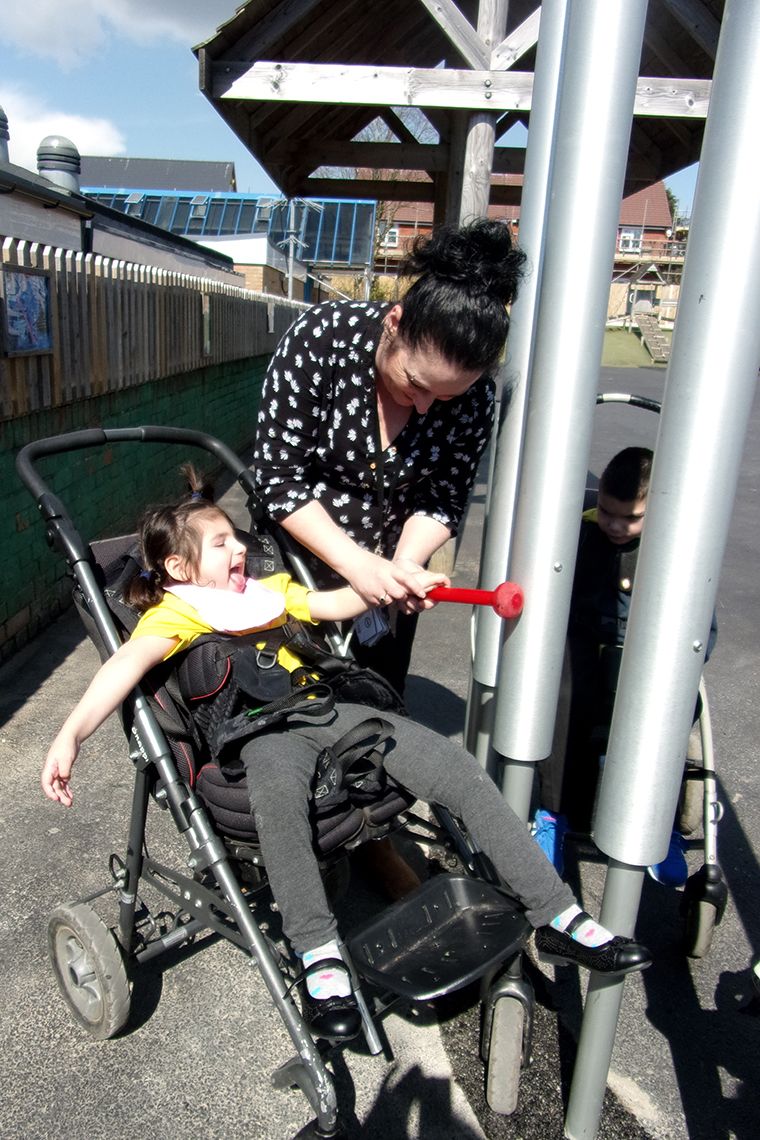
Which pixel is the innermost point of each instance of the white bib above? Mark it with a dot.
(230, 612)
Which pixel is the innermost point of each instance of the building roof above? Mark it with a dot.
(271, 73)
(103, 227)
(648, 207)
(158, 174)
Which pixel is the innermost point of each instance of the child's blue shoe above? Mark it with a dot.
(549, 833)
(672, 871)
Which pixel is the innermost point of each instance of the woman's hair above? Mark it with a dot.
(626, 476)
(171, 529)
(467, 275)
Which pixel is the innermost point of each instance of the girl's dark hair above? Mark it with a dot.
(170, 529)
(626, 476)
(467, 275)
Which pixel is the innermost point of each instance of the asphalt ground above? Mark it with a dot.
(202, 1040)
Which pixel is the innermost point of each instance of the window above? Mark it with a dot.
(133, 205)
(390, 239)
(630, 240)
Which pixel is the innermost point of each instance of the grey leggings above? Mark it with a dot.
(280, 768)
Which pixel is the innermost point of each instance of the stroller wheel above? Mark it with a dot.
(505, 1055)
(702, 906)
(701, 918)
(89, 968)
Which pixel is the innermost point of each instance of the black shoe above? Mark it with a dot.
(334, 1018)
(618, 956)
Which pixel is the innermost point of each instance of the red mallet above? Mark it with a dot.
(506, 599)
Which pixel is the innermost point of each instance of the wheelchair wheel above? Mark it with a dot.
(700, 921)
(89, 968)
(505, 1050)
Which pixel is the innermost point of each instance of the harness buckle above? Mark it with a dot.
(266, 658)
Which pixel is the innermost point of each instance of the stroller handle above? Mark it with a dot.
(97, 437)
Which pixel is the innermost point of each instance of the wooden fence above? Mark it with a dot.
(116, 324)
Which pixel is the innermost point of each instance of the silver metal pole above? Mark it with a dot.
(591, 149)
(497, 533)
(709, 389)
(291, 245)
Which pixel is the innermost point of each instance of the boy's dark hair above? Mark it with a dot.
(466, 276)
(626, 476)
(170, 529)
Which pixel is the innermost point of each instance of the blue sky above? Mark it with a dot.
(118, 77)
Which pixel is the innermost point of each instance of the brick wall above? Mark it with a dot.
(105, 489)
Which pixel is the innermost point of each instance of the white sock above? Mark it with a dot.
(589, 933)
(330, 982)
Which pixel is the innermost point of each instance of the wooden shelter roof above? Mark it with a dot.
(297, 80)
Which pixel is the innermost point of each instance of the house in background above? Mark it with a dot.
(279, 247)
(649, 252)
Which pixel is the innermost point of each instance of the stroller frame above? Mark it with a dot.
(91, 959)
(705, 895)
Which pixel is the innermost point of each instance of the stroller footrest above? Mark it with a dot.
(443, 936)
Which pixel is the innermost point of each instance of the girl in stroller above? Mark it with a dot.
(193, 583)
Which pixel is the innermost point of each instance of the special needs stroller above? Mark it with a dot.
(705, 895)
(456, 928)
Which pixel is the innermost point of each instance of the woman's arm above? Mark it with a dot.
(420, 538)
(374, 578)
(112, 683)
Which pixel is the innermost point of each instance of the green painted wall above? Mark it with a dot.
(106, 489)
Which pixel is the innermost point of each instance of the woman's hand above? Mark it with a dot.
(381, 582)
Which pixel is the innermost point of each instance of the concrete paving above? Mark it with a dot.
(202, 1040)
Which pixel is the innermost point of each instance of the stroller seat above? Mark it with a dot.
(224, 793)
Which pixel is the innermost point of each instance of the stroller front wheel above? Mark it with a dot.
(89, 968)
(505, 1056)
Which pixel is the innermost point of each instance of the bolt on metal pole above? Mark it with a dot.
(709, 389)
(591, 149)
(502, 491)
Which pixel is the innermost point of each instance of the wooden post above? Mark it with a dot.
(481, 127)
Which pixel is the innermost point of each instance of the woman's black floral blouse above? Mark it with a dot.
(318, 435)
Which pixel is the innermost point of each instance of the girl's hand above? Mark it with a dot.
(56, 772)
(425, 580)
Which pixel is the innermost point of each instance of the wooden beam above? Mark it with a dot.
(392, 190)
(266, 33)
(481, 125)
(431, 87)
(397, 126)
(378, 155)
(372, 86)
(459, 31)
(672, 98)
(517, 43)
(698, 21)
(432, 157)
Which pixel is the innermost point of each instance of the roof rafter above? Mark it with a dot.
(460, 32)
(517, 44)
(694, 18)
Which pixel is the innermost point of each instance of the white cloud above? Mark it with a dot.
(71, 31)
(30, 121)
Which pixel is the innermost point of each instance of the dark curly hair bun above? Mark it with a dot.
(466, 276)
(481, 256)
